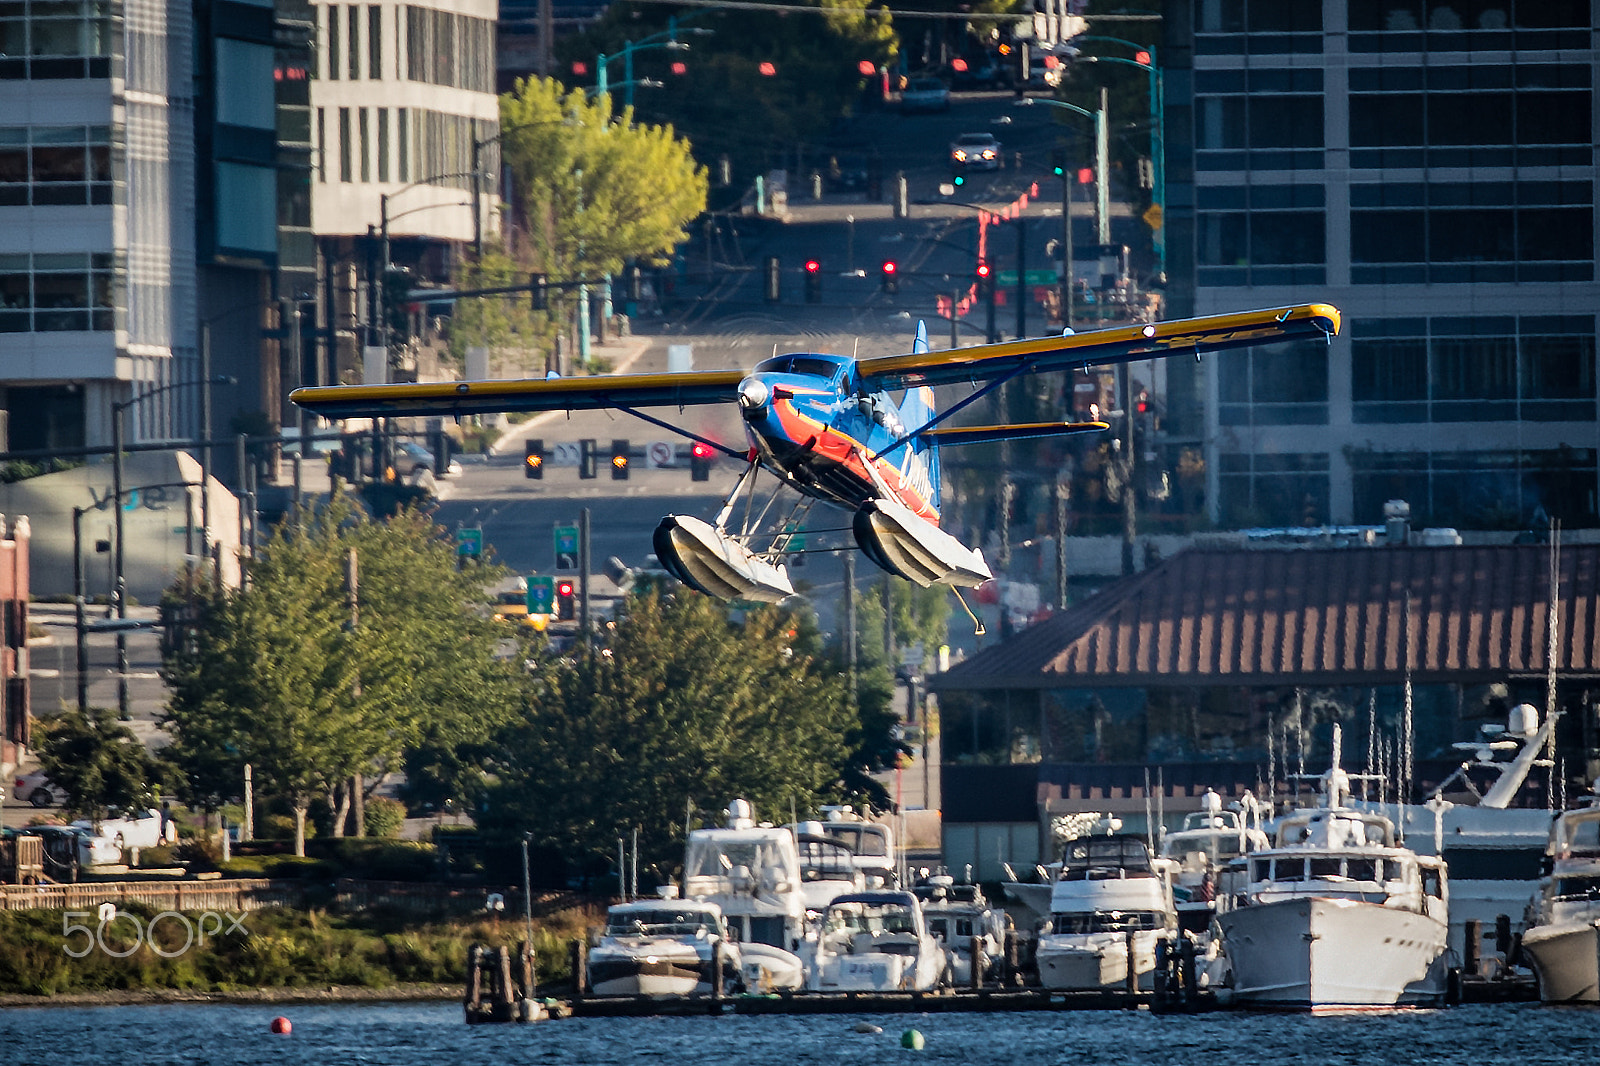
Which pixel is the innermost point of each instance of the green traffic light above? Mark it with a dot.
(960, 179)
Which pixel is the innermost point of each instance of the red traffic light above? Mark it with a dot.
(888, 266)
(700, 450)
(867, 68)
(984, 270)
(1142, 58)
(812, 266)
(680, 68)
(767, 69)
(580, 68)
(959, 65)
(1085, 175)
(564, 588)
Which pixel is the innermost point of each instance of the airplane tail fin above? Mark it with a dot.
(917, 409)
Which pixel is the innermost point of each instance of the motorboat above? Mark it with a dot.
(1034, 892)
(1563, 935)
(1494, 849)
(1336, 915)
(1111, 906)
(877, 942)
(1203, 849)
(752, 873)
(663, 947)
(827, 868)
(871, 844)
(959, 915)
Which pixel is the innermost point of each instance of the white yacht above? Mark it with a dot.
(827, 868)
(959, 915)
(1335, 915)
(663, 947)
(871, 843)
(1563, 935)
(1201, 851)
(752, 873)
(877, 942)
(1110, 907)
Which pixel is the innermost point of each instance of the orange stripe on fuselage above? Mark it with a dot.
(845, 450)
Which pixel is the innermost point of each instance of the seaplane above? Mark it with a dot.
(828, 427)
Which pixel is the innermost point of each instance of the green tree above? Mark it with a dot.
(283, 675)
(682, 707)
(96, 760)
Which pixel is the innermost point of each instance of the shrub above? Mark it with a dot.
(385, 817)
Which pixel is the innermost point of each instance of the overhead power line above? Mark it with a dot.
(964, 16)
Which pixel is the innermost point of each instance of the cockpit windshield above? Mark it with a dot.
(663, 922)
(798, 364)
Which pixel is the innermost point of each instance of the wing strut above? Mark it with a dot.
(942, 415)
(978, 629)
(669, 427)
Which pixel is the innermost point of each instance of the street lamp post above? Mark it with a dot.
(667, 39)
(1158, 139)
(120, 586)
(1102, 202)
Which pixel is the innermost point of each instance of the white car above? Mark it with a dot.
(148, 828)
(976, 151)
(411, 459)
(39, 790)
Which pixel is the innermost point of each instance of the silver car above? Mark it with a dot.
(976, 151)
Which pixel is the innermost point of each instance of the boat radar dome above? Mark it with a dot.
(741, 815)
(1211, 803)
(812, 828)
(1523, 720)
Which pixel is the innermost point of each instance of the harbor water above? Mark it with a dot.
(435, 1035)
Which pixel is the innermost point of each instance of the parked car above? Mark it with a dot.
(68, 846)
(39, 790)
(148, 828)
(976, 151)
(924, 94)
(411, 459)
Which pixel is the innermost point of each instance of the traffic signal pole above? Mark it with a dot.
(583, 573)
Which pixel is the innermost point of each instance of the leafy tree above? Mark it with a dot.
(97, 760)
(279, 675)
(682, 707)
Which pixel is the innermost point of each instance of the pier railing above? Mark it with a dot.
(243, 895)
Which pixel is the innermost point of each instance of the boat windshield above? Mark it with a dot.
(825, 860)
(1321, 868)
(869, 840)
(1104, 922)
(1100, 858)
(663, 922)
(869, 918)
(733, 858)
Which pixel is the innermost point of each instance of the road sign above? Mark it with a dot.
(566, 538)
(1152, 216)
(541, 594)
(565, 453)
(469, 542)
(659, 454)
(1033, 277)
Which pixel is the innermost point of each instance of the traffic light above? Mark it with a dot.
(565, 590)
(635, 283)
(1058, 162)
(958, 179)
(586, 459)
(539, 292)
(985, 275)
(533, 459)
(813, 285)
(773, 287)
(700, 462)
(619, 460)
(889, 277)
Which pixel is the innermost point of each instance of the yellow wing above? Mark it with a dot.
(528, 394)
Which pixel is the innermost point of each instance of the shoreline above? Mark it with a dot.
(405, 993)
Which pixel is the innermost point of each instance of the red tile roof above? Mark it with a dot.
(1328, 616)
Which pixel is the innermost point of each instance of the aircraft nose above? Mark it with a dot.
(753, 395)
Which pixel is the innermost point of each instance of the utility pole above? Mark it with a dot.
(1063, 495)
(1022, 277)
(1129, 519)
(583, 573)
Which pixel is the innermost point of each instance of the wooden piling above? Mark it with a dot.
(474, 981)
(580, 969)
(716, 974)
(1131, 980)
(1502, 935)
(1472, 948)
(975, 977)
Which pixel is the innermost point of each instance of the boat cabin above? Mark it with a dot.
(674, 918)
(1338, 827)
(1576, 835)
(1115, 857)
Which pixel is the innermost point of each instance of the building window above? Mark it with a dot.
(353, 42)
(346, 169)
(383, 144)
(402, 143)
(1275, 385)
(363, 122)
(1287, 489)
(375, 42)
(53, 39)
(1475, 369)
(335, 53)
(58, 292)
(55, 165)
(322, 146)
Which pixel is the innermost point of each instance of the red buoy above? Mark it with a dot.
(281, 1024)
